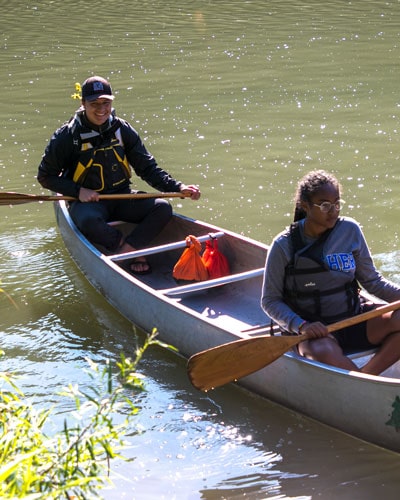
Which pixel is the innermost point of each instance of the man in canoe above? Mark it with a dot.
(313, 275)
(95, 153)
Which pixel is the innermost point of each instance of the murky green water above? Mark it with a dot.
(242, 98)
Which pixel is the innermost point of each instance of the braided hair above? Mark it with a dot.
(308, 186)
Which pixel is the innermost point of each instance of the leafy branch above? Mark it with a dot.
(75, 461)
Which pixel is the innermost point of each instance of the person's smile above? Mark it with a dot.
(98, 111)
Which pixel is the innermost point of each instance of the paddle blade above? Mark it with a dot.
(228, 362)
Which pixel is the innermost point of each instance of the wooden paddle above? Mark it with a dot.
(228, 362)
(9, 198)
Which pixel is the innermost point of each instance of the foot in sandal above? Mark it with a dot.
(140, 266)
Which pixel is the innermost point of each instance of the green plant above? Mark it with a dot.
(73, 462)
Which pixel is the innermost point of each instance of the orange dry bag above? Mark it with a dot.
(190, 266)
(215, 262)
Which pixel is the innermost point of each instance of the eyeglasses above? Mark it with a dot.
(325, 206)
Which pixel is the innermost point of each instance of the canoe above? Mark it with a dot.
(198, 316)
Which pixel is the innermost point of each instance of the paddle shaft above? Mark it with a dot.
(10, 198)
(228, 362)
(331, 328)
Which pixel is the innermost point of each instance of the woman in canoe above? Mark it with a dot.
(313, 275)
(95, 153)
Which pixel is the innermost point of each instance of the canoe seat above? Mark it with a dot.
(204, 285)
(360, 354)
(162, 248)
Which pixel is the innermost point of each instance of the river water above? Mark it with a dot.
(242, 98)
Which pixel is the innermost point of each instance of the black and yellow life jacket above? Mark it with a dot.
(102, 164)
(314, 291)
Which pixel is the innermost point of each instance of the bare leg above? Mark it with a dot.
(326, 350)
(385, 332)
(388, 353)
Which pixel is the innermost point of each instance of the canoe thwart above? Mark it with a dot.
(162, 248)
(204, 285)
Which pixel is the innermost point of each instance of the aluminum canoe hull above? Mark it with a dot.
(364, 406)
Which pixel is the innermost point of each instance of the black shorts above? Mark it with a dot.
(354, 338)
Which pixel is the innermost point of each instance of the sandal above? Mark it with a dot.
(140, 266)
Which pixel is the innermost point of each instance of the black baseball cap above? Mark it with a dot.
(96, 87)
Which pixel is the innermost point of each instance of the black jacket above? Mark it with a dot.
(61, 156)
